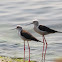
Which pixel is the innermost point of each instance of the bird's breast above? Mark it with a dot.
(22, 37)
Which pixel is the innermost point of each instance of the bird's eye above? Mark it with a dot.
(17, 26)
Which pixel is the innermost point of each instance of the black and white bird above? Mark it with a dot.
(26, 36)
(43, 30)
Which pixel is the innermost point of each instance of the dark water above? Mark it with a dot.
(21, 12)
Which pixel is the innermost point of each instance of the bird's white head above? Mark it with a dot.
(35, 23)
(19, 28)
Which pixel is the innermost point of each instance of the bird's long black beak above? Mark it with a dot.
(14, 29)
(29, 24)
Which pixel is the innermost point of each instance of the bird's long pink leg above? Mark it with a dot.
(43, 47)
(24, 51)
(29, 51)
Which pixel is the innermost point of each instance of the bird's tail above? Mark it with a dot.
(59, 32)
(38, 41)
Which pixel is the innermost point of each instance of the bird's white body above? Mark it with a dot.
(40, 31)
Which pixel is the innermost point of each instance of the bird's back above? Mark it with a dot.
(44, 28)
(27, 35)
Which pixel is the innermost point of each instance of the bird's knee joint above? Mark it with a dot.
(29, 47)
(24, 48)
(46, 43)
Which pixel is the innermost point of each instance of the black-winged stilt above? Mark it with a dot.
(26, 36)
(43, 30)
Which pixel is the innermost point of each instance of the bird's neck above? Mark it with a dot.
(36, 25)
(19, 30)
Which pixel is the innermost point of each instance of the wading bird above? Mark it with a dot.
(43, 30)
(26, 36)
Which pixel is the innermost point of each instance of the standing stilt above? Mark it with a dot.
(43, 30)
(26, 36)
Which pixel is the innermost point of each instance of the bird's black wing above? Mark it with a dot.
(28, 36)
(44, 28)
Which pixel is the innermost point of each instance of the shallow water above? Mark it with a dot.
(21, 12)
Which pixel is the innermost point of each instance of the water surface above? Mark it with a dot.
(21, 12)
